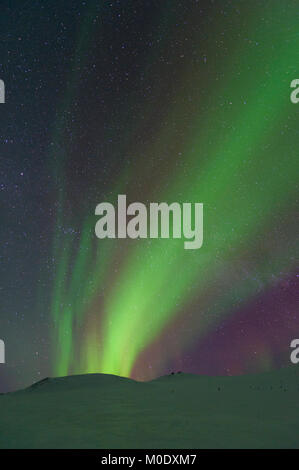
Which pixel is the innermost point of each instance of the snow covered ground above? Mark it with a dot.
(176, 411)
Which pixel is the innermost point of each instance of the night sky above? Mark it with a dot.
(185, 101)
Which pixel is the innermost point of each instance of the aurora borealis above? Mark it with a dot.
(162, 101)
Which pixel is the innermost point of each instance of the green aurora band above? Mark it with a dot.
(245, 173)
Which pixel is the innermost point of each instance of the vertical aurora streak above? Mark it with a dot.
(112, 300)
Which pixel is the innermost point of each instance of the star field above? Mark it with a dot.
(161, 101)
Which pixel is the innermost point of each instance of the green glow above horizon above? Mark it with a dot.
(235, 165)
